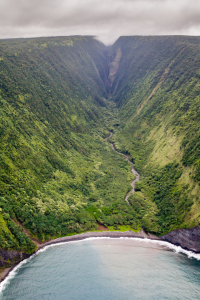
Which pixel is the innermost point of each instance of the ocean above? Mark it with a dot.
(106, 268)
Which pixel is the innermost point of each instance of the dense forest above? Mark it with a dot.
(157, 92)
(60, 97)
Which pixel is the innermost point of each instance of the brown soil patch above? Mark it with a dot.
(102, 228)
(26, 231)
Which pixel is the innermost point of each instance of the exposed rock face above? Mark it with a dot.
(186, 238)
(114, 65)
(9, 257)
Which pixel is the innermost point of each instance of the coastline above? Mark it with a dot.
(95, 234)
(111, 234)
(83, 236)
(187, 239)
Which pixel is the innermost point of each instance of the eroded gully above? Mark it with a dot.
(135, 173)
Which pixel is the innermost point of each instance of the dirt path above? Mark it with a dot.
(135, 173)
(26, 231)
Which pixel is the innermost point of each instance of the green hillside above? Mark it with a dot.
(57, 172)
(157, 91)
(59, 98)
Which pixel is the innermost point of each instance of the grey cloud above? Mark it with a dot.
(107, 19)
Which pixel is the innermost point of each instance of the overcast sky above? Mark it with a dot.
(107, 19)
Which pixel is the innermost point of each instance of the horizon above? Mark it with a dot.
(98, 38)
(107, 19)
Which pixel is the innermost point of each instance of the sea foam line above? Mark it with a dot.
(176, 249)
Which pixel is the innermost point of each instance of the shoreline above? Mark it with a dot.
(95, 234)
(83, 236)
(110, 234)
(186, 239)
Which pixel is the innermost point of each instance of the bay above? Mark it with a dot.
(105, 268)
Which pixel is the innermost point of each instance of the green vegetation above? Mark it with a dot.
(157, 91)
(55, 165)
(60, 97)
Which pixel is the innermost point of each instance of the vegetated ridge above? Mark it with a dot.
(158, 101)
(60, 97)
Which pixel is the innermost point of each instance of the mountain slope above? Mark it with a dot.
(59, 99)
(157, 89)
(57, 172)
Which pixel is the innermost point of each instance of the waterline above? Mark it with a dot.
(176, 249)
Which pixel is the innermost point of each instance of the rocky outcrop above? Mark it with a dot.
(9, 258)
(188, 239)
(113, 68)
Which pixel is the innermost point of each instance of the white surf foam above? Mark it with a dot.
(174, 248)
(12, 273)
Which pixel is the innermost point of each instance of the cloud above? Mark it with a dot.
(107, 19)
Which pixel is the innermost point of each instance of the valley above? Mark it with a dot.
(135, 173)
(60, 99)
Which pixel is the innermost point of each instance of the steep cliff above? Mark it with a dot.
(59, 99)
(186, 238)
(157, 92)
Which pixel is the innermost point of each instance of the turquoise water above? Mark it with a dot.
(105, 269)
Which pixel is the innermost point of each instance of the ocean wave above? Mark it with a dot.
(168, 245)
(177, 249)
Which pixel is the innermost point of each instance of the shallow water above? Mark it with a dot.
(105, 269)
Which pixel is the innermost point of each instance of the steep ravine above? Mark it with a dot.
(186, 238)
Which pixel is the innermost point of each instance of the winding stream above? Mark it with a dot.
(135, 173)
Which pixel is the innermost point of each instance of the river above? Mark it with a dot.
(135, 173)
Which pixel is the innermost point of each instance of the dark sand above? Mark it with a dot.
(83, 236)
